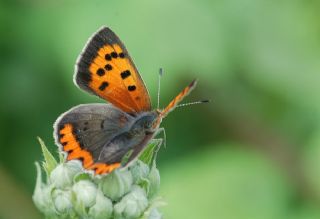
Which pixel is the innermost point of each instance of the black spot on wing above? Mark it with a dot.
(114, 55)
(108, 57)
(132, 88)
(125, 74)
(100, 72)
(103, 86)
(108, 67)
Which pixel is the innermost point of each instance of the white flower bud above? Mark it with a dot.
(85, 193)
(42, 195)
(116, 184)
(62, 176)
(132, 205)
(154, 179)
(43, 200)
(102, 209)
(154, 214)
(62, 201)
(139, 171)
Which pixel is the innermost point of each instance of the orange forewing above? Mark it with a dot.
(117, 91)
(106, 68)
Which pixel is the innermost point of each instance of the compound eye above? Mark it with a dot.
(146, 125)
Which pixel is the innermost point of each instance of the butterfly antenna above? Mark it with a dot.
(193, 103)
(159, 83)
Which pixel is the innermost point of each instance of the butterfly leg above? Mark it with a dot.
(158, 142)
(161, 129)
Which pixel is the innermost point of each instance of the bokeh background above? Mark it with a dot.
(252, 153)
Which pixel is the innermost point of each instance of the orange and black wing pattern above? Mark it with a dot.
(105, 69)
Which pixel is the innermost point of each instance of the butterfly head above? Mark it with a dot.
(148, 122)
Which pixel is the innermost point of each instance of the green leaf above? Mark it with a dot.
(145, 184)
(81, 176)
(49, 161)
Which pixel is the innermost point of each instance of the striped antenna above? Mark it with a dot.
(172, 105)
(193, 103)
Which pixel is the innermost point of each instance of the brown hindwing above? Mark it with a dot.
(72, 146)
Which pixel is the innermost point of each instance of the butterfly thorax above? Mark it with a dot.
(145, 124)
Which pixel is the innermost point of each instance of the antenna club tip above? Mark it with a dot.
(205, 101)
(193, 83)
(160, 71)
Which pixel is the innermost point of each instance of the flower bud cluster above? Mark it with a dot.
(70, 192)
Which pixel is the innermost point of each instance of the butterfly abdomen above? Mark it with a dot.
(135, 137)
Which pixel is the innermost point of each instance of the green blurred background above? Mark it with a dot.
(252, 153)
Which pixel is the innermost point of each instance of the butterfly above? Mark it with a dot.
(101, 135)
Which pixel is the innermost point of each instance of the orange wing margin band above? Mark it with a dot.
(74, 150)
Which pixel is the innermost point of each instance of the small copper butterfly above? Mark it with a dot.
(100, 135)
